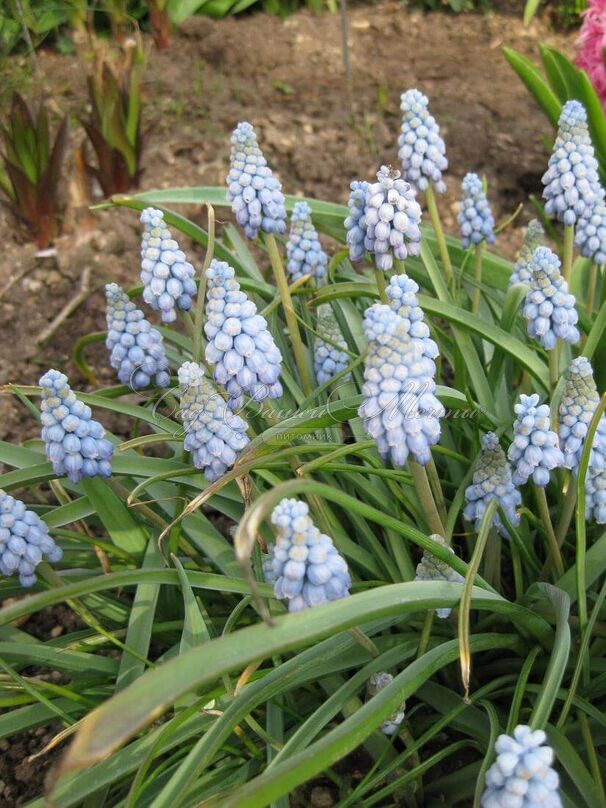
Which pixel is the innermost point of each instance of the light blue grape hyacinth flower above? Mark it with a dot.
(492, 480)
(533, 238)
(136, 348)
(213, 434)
(571, 182)
(304, 565)
(577, 407)
(432, 568)
(591, 234)
(330, 353)
(304, 252)
(255, 194)
(378, 682)
(549, 308)
(535, 450)
(392, 218)
(24, 541)
(166, 274)
(422, 151)
(522, 776)
(475, 219)
(75, 443)
(401, 292)
(355, 223)
(400, 410)
(243, 351)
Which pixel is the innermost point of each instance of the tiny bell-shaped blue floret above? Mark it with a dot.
(535, 450)
(432, 568)
(492, 480)
(304, 565)
(401, 292)
(24, 541)
(549, 308)
(577, 407)
(240, 346)
(330, 356)
(213, 434)
(534, 237)
(392, 219)
(522, 775)
(355, 223)
(304, 252)
(422, 151)
(255, 194)
(378, 682)
(475, 218)
(137, 349)
(167, 276)
(590, 234)
(75, 444)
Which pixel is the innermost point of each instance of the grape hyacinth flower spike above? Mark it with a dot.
(392, 218)
(255, 194)
(137, 349)
(475, 217)
(422, 151)
(535, 450)
(304, 252)
(330, 357)
(492, 480)
(591, 233)
(167, 276)
(522, 776)
(213, 434)
(577, 407)
(431, 568)
(24, 541)
(549, 308)
(377, 683)
(401, 292)
(304, 565)
(75, 444)
(241, 348)
(534, 237)
(355, 223)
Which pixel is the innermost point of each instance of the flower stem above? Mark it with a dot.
(436, 489)
(289, 312)
(477, 292)
(381, 285)
(554, 547)
(199, 311)
(593, 277)
(419, 476)
(568, 252)
(567, 512)
(437, 226)
(554, 366)
(425, 633)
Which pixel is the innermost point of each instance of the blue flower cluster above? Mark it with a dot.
(572, 184)
(591, 233)
(213, 434)
(24, 541)
(401, 292)
(535, 450)
(534, 237)
(137, 349)
(329, 359)
(376, 683)
(492, 480)
(400, 410)
(355, 224)
(549, 307)
(75, 443)
(431, 568)
(577, 407)
(522, 776)
(304, 565)
(422, 150)
(303, 249)
(167, 277)
(475, 217)
(255, 194)
(392, 218)
(246, 358)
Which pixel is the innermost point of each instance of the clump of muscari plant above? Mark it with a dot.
(167, 277)
(213, 434)
(392, 218)
(401, 293)
(522, 776)
(304, 565)
(137, 349)
(240, 346)
(431, 568)
(400, 410)
(376, 683)
(549, 308)
(24, 541)
(533, 238)
(492, 480)
(475, 217)
(355, 223)
(535, 451)
(330, 357)
(255, 194)
(304, 252)
(422, 151)
(577, 407)
(75, 443)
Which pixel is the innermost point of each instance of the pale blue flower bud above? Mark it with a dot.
(376, 683)
(522, 269)
(304, 252)
(422, 150)
(401, 292)
(535, 450)
(329, 360)
(431, 568)
(475, 217)
(492, 480)
(549, 308)
(577, 407)
(590, 234)
(355, 223)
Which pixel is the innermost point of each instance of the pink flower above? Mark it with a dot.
(592, 46)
